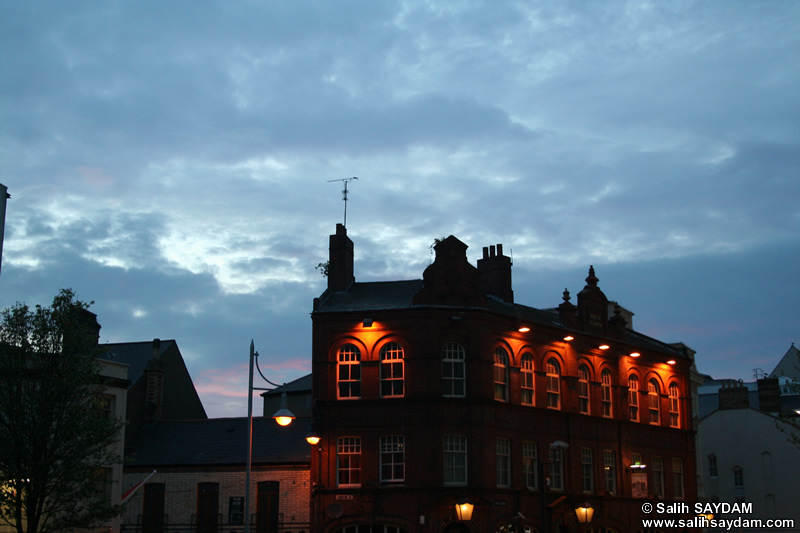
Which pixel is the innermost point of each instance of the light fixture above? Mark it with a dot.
(367, 323)
(671, 362)
(569, 338)
(313, 437)
(523, 329)
(638, 466)
(584, 513)
(464, 509)
(635, 354)
(284, 416)
(604, 346)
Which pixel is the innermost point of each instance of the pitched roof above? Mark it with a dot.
(219, 442)
(134, 354)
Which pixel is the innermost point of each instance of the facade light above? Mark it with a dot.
(569, 338)
(635, 354)
(604, 346)
(584, 513)
(464, 509)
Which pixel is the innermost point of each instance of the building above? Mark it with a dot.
(443, 390)
(749, 447)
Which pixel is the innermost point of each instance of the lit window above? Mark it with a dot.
(349, 371)
(653, 400)
(526, 379)
(104, 406)
(503, 455)
(391, 370)
(348, 461)
(677, 477)
(633, 397)
(454, 448)
(658, 476)
(606, 388)
(587, 470)
(610, 466)
(393, 459)
(453, 373)
(553, 384)
(530, 466)
(501, 374)
(674, 406)
(583, 389)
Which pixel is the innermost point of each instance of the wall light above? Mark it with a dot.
(604, 346)
(569, 338)
(584, 513)
(635, 354)
(523, 329)
(464, 509)
(671, 362)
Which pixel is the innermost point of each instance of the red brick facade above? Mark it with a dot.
(418, 407)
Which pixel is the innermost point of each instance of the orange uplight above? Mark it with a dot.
(524, 329)
(569, 338)
(671, 362)
(635, 354)
(604, 346)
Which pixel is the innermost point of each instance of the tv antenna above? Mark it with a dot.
(344, 195)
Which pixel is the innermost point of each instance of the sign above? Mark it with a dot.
(236, 510)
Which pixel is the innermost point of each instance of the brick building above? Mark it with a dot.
(435, 391)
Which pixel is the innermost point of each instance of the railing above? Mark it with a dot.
(221, 527)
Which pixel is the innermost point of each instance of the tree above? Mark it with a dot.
(54, 447)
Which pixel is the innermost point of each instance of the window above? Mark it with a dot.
(556, 469)
(738, 483)
(454, 448)
(606, 388)
(553, 384)
(501, 374)
(453, 370)
(349, 371)
(348, 462)
(530, 465)
(587, 470)
(674, 406)
(633, 397)
(610, 466)
(658, 476)
(526, 379)
(503, 463)
(653, 401)
(636, 458)
(677, 477)
(583, 389)
(391, 370)
(104, 406)
(712, 466)
(393, 459)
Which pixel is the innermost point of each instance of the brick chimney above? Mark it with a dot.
(733, 395)
(154, 384)
(495, 269)
(340, 262)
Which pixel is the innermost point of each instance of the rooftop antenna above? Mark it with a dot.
(344, 195)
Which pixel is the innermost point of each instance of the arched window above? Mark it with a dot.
(348, 371)
(583, 389)
(500, 374)
(553, 384)
(453, 374)
(633, 397)
(712, 466)
(605, 377)
(674, 406)
(392, 370)
(653, 400)
(526, 379)
(738, 483)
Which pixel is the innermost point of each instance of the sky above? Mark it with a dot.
(173, 163)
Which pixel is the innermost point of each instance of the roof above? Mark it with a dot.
(219, 442)
(388, 295)
(134, 354)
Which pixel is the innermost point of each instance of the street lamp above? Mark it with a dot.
(464, 509)
(584, 513)
(283, 417)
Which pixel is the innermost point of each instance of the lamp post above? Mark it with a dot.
(283, 417)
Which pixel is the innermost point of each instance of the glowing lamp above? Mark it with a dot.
(523, 329)
(464, 509)
(312, 438)
(284, 416)
(584, 513)
(604, 346)
(635, 354)
(569, 338)
(671, 362)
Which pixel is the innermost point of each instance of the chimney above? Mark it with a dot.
(154, 384)
(769, 395)
(733, 395)
(495, 270)
(340, 262)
